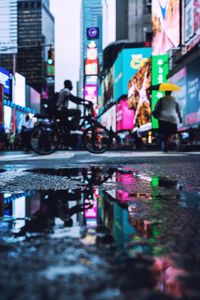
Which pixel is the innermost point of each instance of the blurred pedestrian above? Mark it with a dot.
(168, 118)
(12, 140)
(2, 137)
(27, 126)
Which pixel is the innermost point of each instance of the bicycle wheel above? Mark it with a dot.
(97, 139)
(43, 140)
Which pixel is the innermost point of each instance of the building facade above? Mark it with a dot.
(91, 17)
(35, 35)
(8, 33)
(27, 33)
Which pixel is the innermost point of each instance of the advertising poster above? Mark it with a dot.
(1, 104)
(165, 25)
(91, 93)
(128, 62)
(100, 99)
(19, 91)
(7, 118)
(180, 79)
(191, 30)
(139, 97)
(108, 119)
(124, 116)
(91, 213)
(19, 119)
(91, 67)
(108, 88)
(5, 80)
(193, 93)
(160, 72)
(35, 100)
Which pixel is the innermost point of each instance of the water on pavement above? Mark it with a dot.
(130, 211)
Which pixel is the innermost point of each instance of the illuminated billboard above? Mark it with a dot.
(91, 93)
(165, 25)
(7, 118)
(5, 80)
(91, 61)
(108, 119)
(91, 67)
(128, 62)
(139, 97)
(191, 28)
(124, 116)
(91, 79)
(92, 32)
(19, 91)
(107, 85)
(193, 93)
(1, 104)
(160, 72)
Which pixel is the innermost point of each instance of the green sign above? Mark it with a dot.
(160, 72)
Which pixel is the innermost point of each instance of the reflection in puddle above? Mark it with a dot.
(138, 213)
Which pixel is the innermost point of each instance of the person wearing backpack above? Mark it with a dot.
(68, 116)
(168, 115)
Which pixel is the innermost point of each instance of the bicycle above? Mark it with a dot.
(49, 133)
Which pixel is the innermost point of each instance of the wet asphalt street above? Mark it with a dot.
(112, 226)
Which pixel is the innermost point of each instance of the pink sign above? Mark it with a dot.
(126, 179)
(125, 116)
(90, 93)
(91, 213)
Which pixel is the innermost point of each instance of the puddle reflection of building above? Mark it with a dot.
(123, 208)
(36, 212)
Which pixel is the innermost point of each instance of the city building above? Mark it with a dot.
(29, 37)
(91, 43)
(139, 21)
(35, 37)
(109, 22)
(122, 60)
(184, 70)
(8, 33)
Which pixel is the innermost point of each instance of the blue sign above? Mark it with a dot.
(193, 93)
(5, 80)
(92, 32)
(128, 62)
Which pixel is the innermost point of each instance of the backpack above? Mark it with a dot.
(52, 104)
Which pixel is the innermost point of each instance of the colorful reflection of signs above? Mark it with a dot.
(191, 23)
(128, 62)
(159, 75)
(193, 93)
(165, 25)
(124, 116)
(139, 96)
(90, 93)
(125, 179)
(91, 213)
(180, 79)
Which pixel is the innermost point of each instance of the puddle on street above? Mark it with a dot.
(123, 208)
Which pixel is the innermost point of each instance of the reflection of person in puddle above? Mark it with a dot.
(52, 206)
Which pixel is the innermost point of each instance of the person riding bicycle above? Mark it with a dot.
(68, 116)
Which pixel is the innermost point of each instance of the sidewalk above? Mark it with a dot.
(21, 155)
